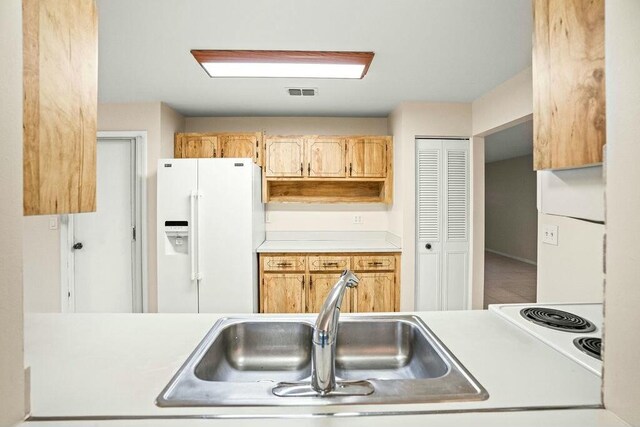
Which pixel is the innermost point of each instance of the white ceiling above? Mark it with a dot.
(426, 50)
(515, 141)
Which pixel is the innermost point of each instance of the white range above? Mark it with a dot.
(575, 330)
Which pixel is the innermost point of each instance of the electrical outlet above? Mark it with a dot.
(357, 219)
(550, 234)
(53, 223)
(267, 217)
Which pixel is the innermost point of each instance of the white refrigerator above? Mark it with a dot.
(210, 223)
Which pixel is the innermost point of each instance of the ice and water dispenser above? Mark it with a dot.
(176, 237)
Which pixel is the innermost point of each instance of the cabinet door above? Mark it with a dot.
(375, 292)
(368, 157)
(569, 110)
(283, 293)
(319, 287)
(284, 157)
(195, 146)
(326, 157)
(240, 145)
(60, 95)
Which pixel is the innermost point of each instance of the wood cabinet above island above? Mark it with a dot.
(568, 83)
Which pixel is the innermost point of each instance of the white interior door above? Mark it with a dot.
(103, 246)
(429, 225)
(442, 224)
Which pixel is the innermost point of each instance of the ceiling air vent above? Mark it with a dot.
(298, 91)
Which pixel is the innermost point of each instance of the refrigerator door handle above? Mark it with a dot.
(198, 197)
(192, 237)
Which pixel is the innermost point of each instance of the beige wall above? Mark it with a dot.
(622, 288)
(408, 121)
(11, 317)
(308, 217)
(572, 270)
(160, 122)
(41, 265)
(511, 216)
(504, 106)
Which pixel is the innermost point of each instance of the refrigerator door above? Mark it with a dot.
(177, 270)
(225, 224)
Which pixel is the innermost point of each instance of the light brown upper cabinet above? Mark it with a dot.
(325, 157)
(568, 83)
(240, 145)
(368, 157)
(219, 145)
(195, 146)
(328, 169)
(284, 157)
(60, 74)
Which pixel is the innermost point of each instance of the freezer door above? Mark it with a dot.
(225, 224)
(177, 182)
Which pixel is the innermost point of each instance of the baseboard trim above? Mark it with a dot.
(528, 261)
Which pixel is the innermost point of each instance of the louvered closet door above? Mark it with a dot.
(442, 212)
(455, 248)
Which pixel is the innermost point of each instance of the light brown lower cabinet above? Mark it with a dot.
(300, 283)
(319, 287)
(283, 293)
(375, 292)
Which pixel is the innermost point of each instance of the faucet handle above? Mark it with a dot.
(350, 278)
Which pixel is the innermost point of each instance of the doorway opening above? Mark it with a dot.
(103, 253)
(511, 217)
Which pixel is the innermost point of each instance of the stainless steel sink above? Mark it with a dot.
(241, 360)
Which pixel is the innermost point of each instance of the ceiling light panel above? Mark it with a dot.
(291, 64)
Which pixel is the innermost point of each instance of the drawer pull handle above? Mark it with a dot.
(375, 263)
(284, 264)
(329, 264)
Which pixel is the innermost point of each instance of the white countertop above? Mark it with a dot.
(330, 241)
(564, 418)
(93, 365)
(327, 246)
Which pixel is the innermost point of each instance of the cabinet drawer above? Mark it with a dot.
(285, 263)
(374, 262)
(328, 263)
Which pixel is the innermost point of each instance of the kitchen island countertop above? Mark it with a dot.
(89, 366)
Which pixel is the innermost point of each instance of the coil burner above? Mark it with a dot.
(557, 319)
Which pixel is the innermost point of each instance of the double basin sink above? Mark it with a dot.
(241, 360)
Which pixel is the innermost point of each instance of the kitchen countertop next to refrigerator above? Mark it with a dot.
(114, 365)
(330, 242)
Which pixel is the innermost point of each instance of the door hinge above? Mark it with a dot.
(133, 232)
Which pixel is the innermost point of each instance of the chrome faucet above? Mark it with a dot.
(325, 335)
(323, 352)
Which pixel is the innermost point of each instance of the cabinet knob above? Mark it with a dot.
(77, 245)
(428, 246)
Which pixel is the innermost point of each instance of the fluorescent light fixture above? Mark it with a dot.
(280, 63)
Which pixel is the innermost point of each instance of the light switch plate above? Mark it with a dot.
(550, 234)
